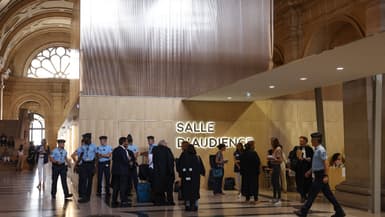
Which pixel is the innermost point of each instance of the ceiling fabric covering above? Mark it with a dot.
(171, 48)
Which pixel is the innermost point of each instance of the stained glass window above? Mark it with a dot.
(52, 62)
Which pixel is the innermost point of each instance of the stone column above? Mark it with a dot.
(357, 107)
(359, 126)
(358, 132)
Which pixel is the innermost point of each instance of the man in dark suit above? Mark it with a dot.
(301, 158)
(122, 160)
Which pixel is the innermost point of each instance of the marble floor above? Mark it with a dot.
(20, 197)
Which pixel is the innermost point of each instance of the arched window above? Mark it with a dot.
(36, 129)
(53, 62)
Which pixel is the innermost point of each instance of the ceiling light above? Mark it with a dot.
(271, 86)
(229, 97)
(340, 68)
(248, 94)
(303, 79)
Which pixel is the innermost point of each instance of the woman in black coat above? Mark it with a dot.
(190, 170)
(250, 164)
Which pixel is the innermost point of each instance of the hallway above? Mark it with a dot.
(20, 197)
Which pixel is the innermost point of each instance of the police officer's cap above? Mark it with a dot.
(61, 141)
(103, 137)
(150, 137)
(316, 135)
(86, 136)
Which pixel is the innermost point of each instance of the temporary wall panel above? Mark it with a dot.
(171, 47)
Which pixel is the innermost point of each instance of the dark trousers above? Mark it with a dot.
(86, 172)
(275, 181)
(217, 188)
(134, 180)
(119, 186)
(316, 187)
(303, 184)
(250, 186)
(167, 197)
(56, 171)
(104, 168)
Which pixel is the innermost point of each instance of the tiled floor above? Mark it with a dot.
(20, 197)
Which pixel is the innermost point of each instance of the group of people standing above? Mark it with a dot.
(119, 167)
(304, 160)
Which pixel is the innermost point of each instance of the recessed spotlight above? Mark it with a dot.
(229, 97)
(303, 79)
(248, 94)
(340, 68)
(271, 86)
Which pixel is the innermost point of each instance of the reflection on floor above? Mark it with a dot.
(20, 197)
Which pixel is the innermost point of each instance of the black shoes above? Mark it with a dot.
(98, 194)
(68, 196)
(114, 204)
(125, 204)
(191, 209)
(83, 200)
(299, 213)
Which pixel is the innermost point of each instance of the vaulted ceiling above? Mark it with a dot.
(26, 26)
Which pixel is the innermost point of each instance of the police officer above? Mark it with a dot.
(104, 153)
(134, 173)
(87, 154)
(320, 182)
(58, 158)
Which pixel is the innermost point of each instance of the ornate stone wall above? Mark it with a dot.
(46, 97)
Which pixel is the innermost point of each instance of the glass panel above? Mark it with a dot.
(40, 119)
(60, 51)
(37, 136)
(37, 131)
(36, 63)
(46, 53)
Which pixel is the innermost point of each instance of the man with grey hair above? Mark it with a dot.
(164, 174)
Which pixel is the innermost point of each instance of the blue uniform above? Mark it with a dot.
(104, 149)
(89, 152)
(59, 155)
(134, 175)
(318, 185)
(59, 168)
(103, 168)
(86, 170)
(133, 148)
(151, 147)
(318, 158)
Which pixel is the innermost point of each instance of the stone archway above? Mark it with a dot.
(42, 101)
(39, 104)
(336, 32)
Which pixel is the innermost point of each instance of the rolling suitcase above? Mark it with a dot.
(144, 192)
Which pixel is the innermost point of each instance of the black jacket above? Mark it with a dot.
(250, 163)
(298, 165)
(163, 174)
(121, 165)
(190, 169)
